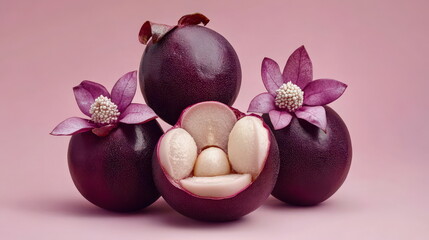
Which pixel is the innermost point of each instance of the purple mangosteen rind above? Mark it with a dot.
(188, 64)
(114, 172)
(313, 163)
(222, 209)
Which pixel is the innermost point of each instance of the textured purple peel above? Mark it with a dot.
(152, 30)
(86, 92)
(72, 126)
(115, 172)
(280, 119)
(298, 69)
(193, 19)
(124, 90)
(191, 64)
(262, 103)
(323, 91)
(314, 115)
(313, 163)
(137, 113)
(271, 75)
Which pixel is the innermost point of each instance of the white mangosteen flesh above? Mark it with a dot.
(212, 155)
(248, 145)
(178, 153)
(218, 186)
(211, 162)
(209, 124)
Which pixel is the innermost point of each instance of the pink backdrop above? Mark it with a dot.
(379, 48)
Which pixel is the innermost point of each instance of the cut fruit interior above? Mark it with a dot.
(248, 146)
(178, 153)
(214, 155)
(209, 123)
(211, 162)
(219, 186)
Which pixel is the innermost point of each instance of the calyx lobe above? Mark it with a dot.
(156, 31)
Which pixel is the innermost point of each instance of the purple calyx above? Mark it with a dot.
(156, 31)
(105, 109)
(293, 92)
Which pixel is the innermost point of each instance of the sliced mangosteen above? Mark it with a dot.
(216, 164)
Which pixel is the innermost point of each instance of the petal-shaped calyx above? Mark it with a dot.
(86, 93)
(124, 90)
(72, 126)
(280, 119)
(295, 91)
(271, 75)
(298, 69)
(313, 115)
(104, 109)
(156, 31)
(137, 113)
(263, 103)
(152, 30)
(323, 91)
(193, 19)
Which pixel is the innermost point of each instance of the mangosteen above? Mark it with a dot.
(115, 172)
(314, 143)
(313, 163)
(110, 154)
(216, 164)
(186, 64)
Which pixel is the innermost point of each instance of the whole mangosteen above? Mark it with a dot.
(314, 143)
(186, 64)
(110, 155)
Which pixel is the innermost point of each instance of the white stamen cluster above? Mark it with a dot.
(104, 111)
(289, 96)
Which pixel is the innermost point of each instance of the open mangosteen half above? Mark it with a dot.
(216, 163)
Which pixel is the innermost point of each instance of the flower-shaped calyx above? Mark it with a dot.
(105, 110)
(156, 31)
(294, 92)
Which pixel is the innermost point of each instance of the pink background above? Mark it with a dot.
(379, 48)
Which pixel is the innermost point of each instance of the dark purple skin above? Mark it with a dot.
(313, 165)
(115, 172)
(220, 210)
(190, 64)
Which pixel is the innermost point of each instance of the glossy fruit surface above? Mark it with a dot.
(190, 64)
(115, 172)
(313, 164)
